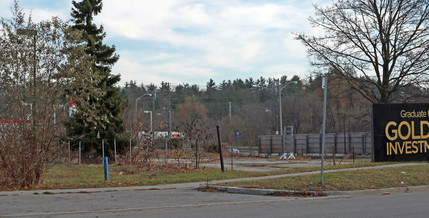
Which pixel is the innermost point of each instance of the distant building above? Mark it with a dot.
(164, 134)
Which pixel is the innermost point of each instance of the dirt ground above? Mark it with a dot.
(273, 163)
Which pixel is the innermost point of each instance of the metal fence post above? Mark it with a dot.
(131, 160)
(335, 143)
(345, 143)
(294, 144)
(350, 141)
(306, 144)
(114, 146)
(232, 161)
(69, 152)
(59, 150)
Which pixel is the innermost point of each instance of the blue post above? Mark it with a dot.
(106, 168)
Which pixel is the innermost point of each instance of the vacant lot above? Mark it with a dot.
(66, 176)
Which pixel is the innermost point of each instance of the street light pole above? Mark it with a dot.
(137, 99)
(151, 129)
(150, 113)
(169, 123)
(169, 135)
(31, 32)
(277, 117)
(153, 101)
(281, 114)
(280, 110)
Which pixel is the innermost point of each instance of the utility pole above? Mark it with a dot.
(230, 112)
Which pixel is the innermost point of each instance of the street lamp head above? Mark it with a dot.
(147, 94)
(287, 83)
(146, 112)
(27, 32)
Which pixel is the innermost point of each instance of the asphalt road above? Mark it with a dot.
(186, 202)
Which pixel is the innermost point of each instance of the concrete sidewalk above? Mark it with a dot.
(197, 184)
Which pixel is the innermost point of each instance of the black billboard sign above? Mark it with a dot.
(400, 132)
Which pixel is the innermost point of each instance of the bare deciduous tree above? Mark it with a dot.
(190, 115)
(378, 46)
(35, 60)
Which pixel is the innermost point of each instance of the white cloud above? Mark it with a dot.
(261, 16)
(195, 40)
(174, 68)
(193, 14)
(229, 35)
(294, 48)
(39, 14)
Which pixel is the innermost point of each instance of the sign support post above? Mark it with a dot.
(325, 88)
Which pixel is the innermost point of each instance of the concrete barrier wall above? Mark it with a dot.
(339, 143)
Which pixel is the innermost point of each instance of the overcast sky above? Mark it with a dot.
(191, 41)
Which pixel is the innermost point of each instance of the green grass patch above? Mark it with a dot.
(347, 180)
(92, 176)
(69, 176)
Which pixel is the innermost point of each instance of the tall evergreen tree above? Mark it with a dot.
(211, 86)
(110, 105)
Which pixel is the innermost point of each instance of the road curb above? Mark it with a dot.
(383, 191)
(256, 191)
